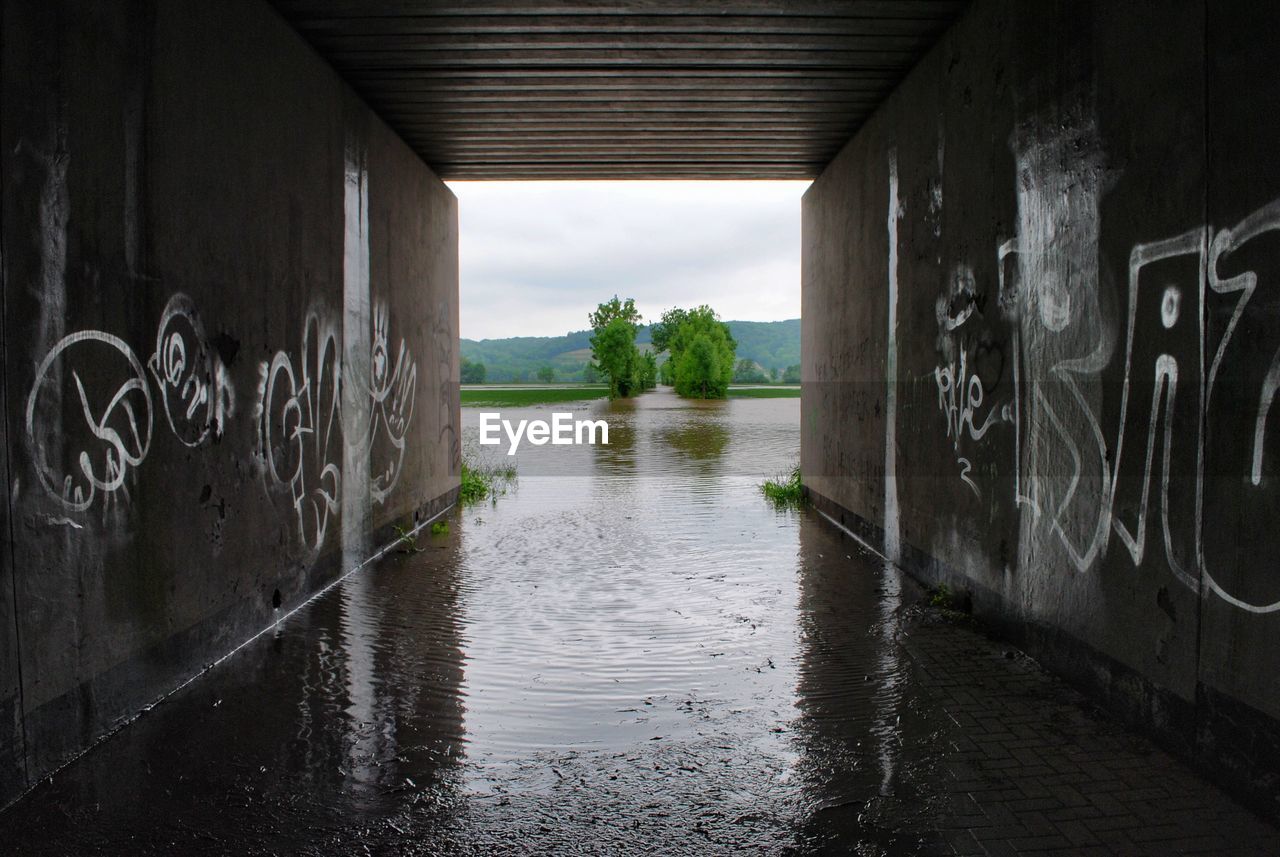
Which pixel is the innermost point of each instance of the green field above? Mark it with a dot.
(517, 397)
(764, 392)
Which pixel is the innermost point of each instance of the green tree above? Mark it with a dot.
(747, 372)
(647, 371)
(613, 345)
(661, 332)
(667, 372)
(698, 373)
(547, 374)
(590, 374)
(691, 376)
(609, 310)
(472, 373)
(614, 349)
(791, 375)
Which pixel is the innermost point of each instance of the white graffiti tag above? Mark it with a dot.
(195, 390)
(961, 391)
(393, 388)
(299, 428)
(99, 436)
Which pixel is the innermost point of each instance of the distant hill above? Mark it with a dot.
(772, 344)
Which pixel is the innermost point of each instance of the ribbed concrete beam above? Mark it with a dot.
(523, 89)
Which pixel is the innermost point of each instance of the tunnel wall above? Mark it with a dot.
(230, 350)
(1041, 311)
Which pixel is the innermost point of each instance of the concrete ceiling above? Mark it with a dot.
(524, 89)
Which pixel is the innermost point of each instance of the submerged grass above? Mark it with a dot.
(407, 541)
(482, 482)
(764, 392)
(785, 492)
(515, 397)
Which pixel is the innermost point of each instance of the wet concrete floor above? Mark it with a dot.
(630, 652)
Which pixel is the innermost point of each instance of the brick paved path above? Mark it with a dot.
(1026, 766)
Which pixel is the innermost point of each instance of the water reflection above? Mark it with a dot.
(618, 457)
(851, 694)
(700, 441)
(614, 650)
(342, 715)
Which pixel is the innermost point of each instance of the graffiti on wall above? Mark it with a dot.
(393, 386)
(101, 403)
(91, 393)
(1185, 442)
(300, 427)
(95, 382)
(195, 389)
(972, 366)
(300, 421)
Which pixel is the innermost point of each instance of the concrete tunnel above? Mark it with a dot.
(1041, 339)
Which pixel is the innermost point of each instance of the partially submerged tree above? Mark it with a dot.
(648, 371)
(701, 351)
(698, 370)
(613, 345)
(662, 332)
(611, 309)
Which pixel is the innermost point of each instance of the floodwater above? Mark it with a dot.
(630, 651)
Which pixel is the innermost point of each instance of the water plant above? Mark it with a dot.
(440, 528)
(480, 482)
(940, 596)
(785, 491)
(406, 540)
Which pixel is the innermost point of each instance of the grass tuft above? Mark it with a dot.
(407, 541)
(482, 482)
(940, 597)
(785, 491)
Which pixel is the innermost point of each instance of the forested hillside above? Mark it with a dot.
(772, 344)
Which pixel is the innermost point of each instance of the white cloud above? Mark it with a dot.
(536, 257)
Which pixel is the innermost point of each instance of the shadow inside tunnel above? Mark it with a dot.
(335, 721)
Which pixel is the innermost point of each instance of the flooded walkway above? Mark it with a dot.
(630, 652)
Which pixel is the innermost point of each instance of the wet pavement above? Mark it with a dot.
(636, 655)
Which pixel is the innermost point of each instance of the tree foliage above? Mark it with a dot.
(547, 374)
(613, 345)
(667, 372)
(612, 309)
(747, 372)
(698, 369)
(701, 351)
(661, 332)
(773, 345)
(472, 373)
(647, 371)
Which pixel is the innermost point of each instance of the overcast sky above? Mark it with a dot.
(538, 256)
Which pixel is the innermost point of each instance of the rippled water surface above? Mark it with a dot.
(629, 650)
